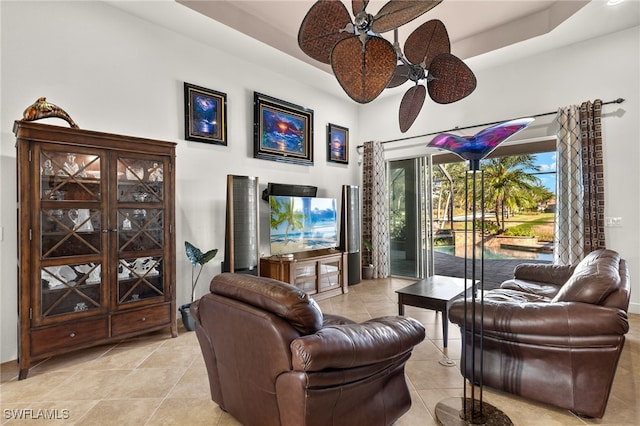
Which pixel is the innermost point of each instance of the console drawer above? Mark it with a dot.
(65, 336)
(140, 319)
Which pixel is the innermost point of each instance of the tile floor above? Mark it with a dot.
(157, 380)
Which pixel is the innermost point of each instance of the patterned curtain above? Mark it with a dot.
(375, 219)
(579, 226)
(592, 175)
(569, 247)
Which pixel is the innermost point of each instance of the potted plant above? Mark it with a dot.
(196, 257)
(367, 270)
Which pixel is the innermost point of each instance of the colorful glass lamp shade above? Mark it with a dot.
(475, 148)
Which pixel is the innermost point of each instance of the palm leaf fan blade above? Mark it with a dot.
(410, 106)
(320, 29)
(400, 76)
(426, 42)
(363, 70)
(358, 6)
(450, 79)
(398, 12)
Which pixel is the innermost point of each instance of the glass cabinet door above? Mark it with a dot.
(71, 242)
(329, 274)
(140, 217)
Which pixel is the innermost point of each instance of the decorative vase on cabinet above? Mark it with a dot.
(96, 239)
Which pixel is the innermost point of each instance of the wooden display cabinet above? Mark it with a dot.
(321, 273)
(96, 239)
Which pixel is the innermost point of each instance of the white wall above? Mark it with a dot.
(116, 73)
(607, 68)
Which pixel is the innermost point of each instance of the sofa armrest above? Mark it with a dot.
(543, 273)
(332, 319)
(352, 345)
(526, 320)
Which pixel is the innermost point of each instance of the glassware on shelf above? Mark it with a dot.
(58, 276)
(56, 195)
(140, 215)
(140, 196)
(81, 220)
(126, 223)
(72, 168)
(80, 306)
(134, 173)
(47, 168)
(155, 173)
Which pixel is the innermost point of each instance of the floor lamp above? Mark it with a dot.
(471, 409)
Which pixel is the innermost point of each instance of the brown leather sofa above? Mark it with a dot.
(273, 358)
(553, 333)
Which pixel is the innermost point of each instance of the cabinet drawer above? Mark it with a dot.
(65, 336)
(141, 319)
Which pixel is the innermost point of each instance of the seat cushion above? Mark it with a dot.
(282, 299)
(595, 278)
(540, 289)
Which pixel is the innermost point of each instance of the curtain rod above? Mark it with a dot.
(617, 101)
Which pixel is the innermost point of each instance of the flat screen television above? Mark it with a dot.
(302, 224)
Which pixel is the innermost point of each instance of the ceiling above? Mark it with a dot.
(474, 27)
(482, 32)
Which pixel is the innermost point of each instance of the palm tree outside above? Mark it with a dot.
(511, 186)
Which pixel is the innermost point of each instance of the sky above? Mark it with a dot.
(546, 162)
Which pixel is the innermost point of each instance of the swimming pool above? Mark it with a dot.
(491, 253)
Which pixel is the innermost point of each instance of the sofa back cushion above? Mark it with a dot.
(282, 299)
(594, 278)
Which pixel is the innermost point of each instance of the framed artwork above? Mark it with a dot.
(337, 144)
(282, 131)
(205, 115)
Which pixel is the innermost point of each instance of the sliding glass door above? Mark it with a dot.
(410, 217)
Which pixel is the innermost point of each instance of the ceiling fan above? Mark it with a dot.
(427, 57)
(364, 63)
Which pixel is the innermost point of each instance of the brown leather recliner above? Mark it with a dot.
(553, 334)
(273, 358)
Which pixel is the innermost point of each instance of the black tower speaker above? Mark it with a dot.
(350, 231)
(242, 245)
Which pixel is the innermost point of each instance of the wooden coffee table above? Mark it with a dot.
(435, 293)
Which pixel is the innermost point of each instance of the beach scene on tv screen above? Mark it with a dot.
(302, 224)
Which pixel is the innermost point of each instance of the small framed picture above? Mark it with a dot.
(337, 144)
(282, 131)
(205, 115)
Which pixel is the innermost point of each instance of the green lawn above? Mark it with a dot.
(540, 225)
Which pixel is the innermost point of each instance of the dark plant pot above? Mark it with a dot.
(187, 320)
(367, 272)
